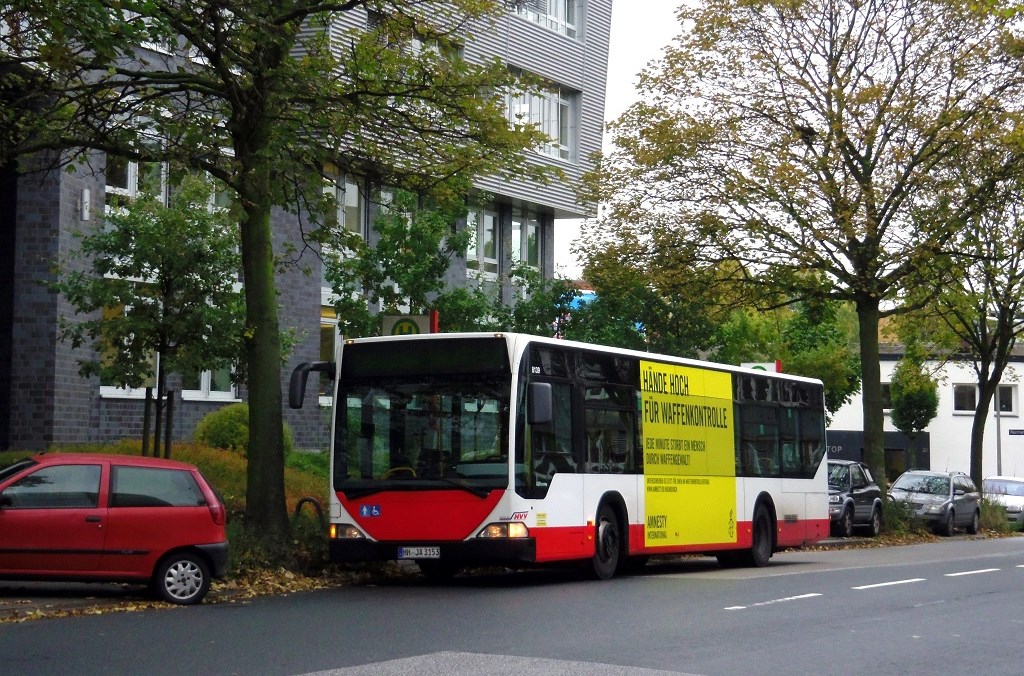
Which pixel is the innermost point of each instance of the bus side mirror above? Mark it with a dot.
(540, 404)
(297, 386)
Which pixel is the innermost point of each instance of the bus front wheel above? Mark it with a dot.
(607, 544)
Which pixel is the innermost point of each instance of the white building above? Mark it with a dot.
(945, 445)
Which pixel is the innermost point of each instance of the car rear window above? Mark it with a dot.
(154, 487)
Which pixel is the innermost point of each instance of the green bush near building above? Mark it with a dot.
(228, 428)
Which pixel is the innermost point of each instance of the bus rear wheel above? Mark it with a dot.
(607, 544)
(761, 540)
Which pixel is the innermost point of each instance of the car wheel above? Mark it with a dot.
(182, 578)
(947, 527)
(845, 525)
(875, 525)
(972, 527)
(607, 545)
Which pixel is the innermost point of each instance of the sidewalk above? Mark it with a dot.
(21, 601)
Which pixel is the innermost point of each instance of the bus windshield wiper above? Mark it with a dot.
(466, 486)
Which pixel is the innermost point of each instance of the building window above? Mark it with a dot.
(208, 385)
(483, 251)
(965, 398)
(558, 15)
(126, 179)
(525, 238)
(348, 201)
(551, 110)
(221, 196)
(328, 332)
(1005, 398)
(109, 388)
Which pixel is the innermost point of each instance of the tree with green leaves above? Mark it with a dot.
(271, 97)
(159, 288)
(400, 270)
(984, 309)
(706, 313)
(813, 145)
(818, 342)
(915, 400)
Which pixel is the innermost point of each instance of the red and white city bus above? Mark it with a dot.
(458, 450)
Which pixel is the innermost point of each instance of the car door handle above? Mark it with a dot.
(92, 519)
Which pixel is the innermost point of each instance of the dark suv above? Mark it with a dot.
(946, 500)
(854, 499)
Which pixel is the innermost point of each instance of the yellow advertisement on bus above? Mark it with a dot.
(689, 456)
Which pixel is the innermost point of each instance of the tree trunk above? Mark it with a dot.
(147, 410)
(871, 387)
(159, 403)
(169, 425)
(265, 506)
(987, 387)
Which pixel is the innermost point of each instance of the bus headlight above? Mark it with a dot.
(505, 529)
(345, 531)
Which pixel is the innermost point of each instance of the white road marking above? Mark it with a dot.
(773, 601)
(972, 572)
(451, 663)
(889, 584)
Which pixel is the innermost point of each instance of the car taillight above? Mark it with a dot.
(218, 512)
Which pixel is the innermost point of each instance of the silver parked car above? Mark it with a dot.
(1007, 491)
(946, 500)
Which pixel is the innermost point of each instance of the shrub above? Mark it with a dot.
(228, 428)
(993, 517)
(901, 521)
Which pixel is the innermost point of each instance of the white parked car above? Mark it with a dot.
(1008, 491)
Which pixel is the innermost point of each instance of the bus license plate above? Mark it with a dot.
(419, 552)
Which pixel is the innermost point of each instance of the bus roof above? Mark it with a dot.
(519, 340)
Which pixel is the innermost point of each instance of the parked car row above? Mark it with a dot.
(944, 500)
(99, 517)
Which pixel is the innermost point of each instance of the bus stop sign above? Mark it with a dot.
(405, 325)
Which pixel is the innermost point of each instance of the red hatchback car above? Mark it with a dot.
(122, 518)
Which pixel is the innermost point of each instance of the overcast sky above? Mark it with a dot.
(640, 31)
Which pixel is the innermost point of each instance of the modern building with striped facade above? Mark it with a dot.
(43, 400)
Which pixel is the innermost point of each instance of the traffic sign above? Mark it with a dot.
(405, 325)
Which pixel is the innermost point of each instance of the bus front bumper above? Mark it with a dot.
(479, 551)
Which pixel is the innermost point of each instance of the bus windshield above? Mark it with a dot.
(422, 432)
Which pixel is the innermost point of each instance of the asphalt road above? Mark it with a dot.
(941, 607)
